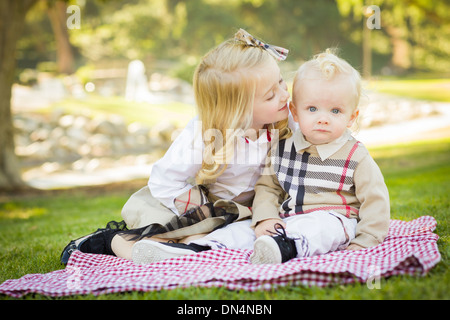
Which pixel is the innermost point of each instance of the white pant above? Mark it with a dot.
(315, 233)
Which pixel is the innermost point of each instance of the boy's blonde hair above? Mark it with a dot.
(224, 88)
(329, 65)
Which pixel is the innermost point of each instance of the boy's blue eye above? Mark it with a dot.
(312, 109)
(335, 111)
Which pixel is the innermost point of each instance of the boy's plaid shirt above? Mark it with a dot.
(313, 184)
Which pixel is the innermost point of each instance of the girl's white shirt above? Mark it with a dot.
(175, 172)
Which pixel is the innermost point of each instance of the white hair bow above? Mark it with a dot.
(277, 52)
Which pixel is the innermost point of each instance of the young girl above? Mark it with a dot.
(325, 192)
(206, 179)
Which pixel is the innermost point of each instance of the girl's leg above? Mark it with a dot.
(237, 235)
(123, 248)
(190, 238)
(140, 211)
(143, 209)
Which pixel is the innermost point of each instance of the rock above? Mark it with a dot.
(138, 129)
(36, 150)
(57, 133)
(385, 109)
(102, 126)
(50, 167)
(64, 138)
(120, 127)
(163, 130)
(77, 134)
(100, 145)
(66, 121)
(40, 134)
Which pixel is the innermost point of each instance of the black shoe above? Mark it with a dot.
(274, 249)
(97, 242)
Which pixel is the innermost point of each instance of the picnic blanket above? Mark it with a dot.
(410, 248)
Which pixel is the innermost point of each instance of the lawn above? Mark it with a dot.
(146, 113)
(423, 89)
(34, 227)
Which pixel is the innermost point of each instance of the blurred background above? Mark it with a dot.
(100, 88)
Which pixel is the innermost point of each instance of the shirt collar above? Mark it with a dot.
(324, 150)
(264, 137)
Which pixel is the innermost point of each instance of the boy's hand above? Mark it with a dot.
(266, 226)
(354, 247)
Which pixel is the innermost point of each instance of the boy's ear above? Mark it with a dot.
(293, 111)
(353, 117)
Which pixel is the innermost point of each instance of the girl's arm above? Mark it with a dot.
(174, 174)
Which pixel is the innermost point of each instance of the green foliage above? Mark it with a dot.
(185, 69)
(417, 31)
(34, 229)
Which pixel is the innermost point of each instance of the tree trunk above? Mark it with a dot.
(400, 49)
(58, 16)
(367, 51)
(12, 19)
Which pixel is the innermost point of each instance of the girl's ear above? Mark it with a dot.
(293, 111)
(353, 118)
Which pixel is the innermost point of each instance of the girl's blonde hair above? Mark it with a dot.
(329, 65)
(224, 87)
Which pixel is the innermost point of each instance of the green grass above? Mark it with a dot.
(34, 229)
(424, 89)
(146, 113)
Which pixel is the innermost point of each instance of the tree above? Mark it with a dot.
(12, 19)
(65, 58)
(414, 33)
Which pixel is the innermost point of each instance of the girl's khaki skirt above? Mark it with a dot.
(143, 210)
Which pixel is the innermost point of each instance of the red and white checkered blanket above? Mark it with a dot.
(410, 248)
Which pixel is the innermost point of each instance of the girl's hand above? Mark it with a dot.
(354, 247)
(265, 227)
